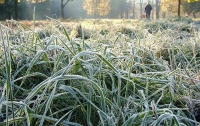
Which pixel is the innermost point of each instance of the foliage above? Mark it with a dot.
(1, 1)
(94, 7)
(169, 6)
(25, 10)
(191, 7)
(189, 1)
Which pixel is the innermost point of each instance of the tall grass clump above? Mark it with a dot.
(123, 77)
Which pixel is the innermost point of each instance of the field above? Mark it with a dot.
(100, 72)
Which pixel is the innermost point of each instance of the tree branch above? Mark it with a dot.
(66, 3)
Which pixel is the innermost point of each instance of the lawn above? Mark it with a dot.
(100, 72)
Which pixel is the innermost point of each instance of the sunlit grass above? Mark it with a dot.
(128, 72)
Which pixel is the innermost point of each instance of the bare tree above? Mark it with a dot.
(16, 9)
(179, 8)
(157, 8)
(133, 8)
(152, 9)
(63, 6)
(141, 8)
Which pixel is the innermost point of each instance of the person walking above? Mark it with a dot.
(147, 10)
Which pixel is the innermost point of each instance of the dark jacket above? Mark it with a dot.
(148, 9)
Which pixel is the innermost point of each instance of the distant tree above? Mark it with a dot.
(75, 10)
(1, 1)
(8, 8)
(141, 8)
(16, 9)
(157, 8)
(23, 9)
(121, 8)
(124, 7)
(191, 7)
(128, 8)
(114, 9)
(97, 7)
(179, 8)
(133, 8)
(189, 1)
(171, 6)
(63, 4)
(2, 9)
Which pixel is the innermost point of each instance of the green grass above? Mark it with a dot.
(126, 73)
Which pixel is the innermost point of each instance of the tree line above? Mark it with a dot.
(24, 9)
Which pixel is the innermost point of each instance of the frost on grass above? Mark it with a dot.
(100, 72)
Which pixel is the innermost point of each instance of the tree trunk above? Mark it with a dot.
(194, 15)
(157, 9)
(16, 9)
(153, 9)
(179, 8)
(141, 9)
(96, 10)
(9, 15)
(121, 15)
(164, 14)
(134, 9)
(62, 10)
(127, 14)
